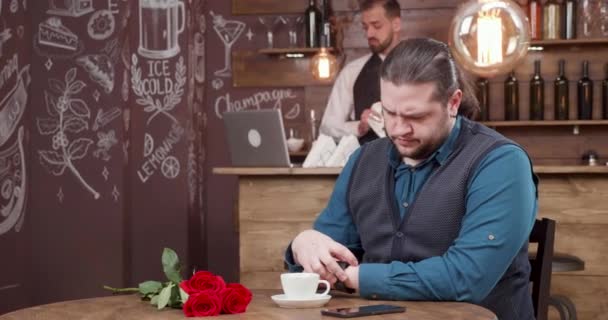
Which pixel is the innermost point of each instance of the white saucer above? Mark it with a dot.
(317, 301)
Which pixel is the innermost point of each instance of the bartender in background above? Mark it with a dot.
(357, 87)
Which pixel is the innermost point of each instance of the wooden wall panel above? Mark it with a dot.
(574, 199)
(432, 23)
(252, 69)
(586, 241)
(587, 293)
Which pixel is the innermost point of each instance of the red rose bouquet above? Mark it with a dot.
(204, 294)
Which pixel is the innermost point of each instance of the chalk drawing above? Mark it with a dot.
(101, 25)
(104, 143)
(249, 35)
(105, 173)
(10, 286)
(60, 195)
(105, 117)
(13, 188)
(125, 86)
(157, 158)
(100, 69)
(115, 194)
(96, 95)
(5, 35)
(48, 64)
(14, 6)
(148, 144)
(74, 8)
(192, 176)
(170, 167)
(159, 83)
(199, 57)
(112, 49)
(217, 84)
(257, 101)
(113, 6)
(293, 112)
(229, 32)
(54, 40)
(13, 103)
(67, 115)
(158, 28)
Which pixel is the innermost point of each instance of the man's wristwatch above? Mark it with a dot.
(339, 285)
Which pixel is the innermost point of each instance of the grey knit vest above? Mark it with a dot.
(434, 218)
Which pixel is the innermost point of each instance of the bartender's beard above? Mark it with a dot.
(382, 45)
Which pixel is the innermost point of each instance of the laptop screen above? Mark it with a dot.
(256, 138)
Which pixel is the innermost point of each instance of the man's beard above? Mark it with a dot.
(379, 48)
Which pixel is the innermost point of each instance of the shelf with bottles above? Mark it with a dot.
(569, 42)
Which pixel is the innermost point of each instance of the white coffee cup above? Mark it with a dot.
(301, 286)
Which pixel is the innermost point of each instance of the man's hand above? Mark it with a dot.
(352, 272)
(318, 253)
(364, 122)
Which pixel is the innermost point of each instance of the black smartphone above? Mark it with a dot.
(362, 311)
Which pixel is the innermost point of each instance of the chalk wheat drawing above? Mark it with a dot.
(170, 101)
(68, 115)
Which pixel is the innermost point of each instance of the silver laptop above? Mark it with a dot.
(256, 138)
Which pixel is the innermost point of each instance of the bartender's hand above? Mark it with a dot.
(318, 253)
(364, 122)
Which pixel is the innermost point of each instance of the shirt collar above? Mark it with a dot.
(440, 155)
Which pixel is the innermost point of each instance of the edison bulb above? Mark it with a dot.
(489, 37)
(323, 65)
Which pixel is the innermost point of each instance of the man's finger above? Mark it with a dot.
(342, 253)
(334, 268)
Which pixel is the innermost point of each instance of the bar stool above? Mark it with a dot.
(564, 263)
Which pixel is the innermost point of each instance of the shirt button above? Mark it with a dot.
(491, 237)
(399, 234)
(405, 204)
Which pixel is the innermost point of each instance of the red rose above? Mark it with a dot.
(235, 298)
(203, 281)
(202, 304)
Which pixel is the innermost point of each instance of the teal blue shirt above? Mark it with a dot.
(500, 211)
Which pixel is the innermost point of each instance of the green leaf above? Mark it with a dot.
(148, 287)
(176, 300)
(171, 265)
(183, 295)
(164, 296)
(154, 300)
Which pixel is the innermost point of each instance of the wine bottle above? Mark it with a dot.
(560, 90)
(483, 95)
(312, 21)
(535, 17)
(569, 21)
(537, 94)
(605, 93)
(585, 94)
(327, 29)
(551, 20)
(511, 97)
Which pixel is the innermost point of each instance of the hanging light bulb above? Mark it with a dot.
(489, 37)
(323, 65)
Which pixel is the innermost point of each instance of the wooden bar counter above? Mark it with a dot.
(274, 204)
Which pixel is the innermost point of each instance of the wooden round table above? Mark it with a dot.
(130, 307)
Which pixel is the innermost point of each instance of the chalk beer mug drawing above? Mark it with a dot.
(158, 28)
